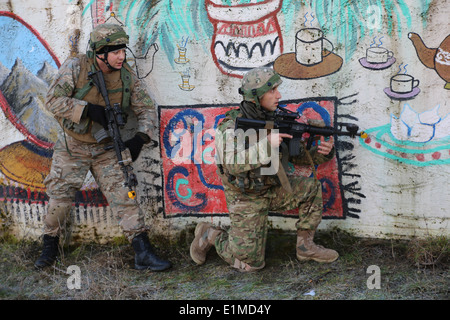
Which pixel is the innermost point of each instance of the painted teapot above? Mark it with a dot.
(437, 59)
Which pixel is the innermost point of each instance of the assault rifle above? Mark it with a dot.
(116, 122)
(286, 122)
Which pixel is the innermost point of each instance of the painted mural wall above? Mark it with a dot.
(383, 65)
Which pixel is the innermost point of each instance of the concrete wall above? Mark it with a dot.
(192, 55)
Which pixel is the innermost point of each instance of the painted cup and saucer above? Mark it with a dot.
(377, 58)
(402, 87)
(310, 59)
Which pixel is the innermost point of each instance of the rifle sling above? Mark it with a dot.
(308, 155)
(281, 173)
(269, 125)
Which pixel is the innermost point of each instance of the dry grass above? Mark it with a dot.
(409, 270)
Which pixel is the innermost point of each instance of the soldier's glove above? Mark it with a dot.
(136, 143)
(97, 113)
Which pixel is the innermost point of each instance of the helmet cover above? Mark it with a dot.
(257, 82)
(108, 35)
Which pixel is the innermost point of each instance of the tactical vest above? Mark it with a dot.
(119, 84)
(252, 181)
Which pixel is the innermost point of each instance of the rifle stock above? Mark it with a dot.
(115, 123)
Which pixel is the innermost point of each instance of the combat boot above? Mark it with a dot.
(205, 235)
(145, 258)
(308, 250)
(49, 252)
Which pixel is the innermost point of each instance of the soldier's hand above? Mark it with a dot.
(325, 147)
(97, 113)
(136, 143)
(275, 139)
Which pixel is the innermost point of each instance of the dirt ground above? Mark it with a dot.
(367, 269)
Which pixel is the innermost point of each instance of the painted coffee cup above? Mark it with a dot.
(378, 55)
(309, 46)
(403, 83)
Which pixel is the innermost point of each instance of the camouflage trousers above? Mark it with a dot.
(243, 246)
(66, 177)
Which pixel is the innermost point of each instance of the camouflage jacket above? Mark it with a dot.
(62, 104)
(246, 175)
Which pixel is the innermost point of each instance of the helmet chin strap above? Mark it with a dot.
(105, 60)
(258, 105)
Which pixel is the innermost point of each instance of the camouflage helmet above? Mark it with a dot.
(107, 35)
(257, 82)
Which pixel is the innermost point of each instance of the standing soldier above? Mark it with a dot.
(251, 194)
(80, 109)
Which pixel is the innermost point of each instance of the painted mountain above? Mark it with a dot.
(25, 93)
